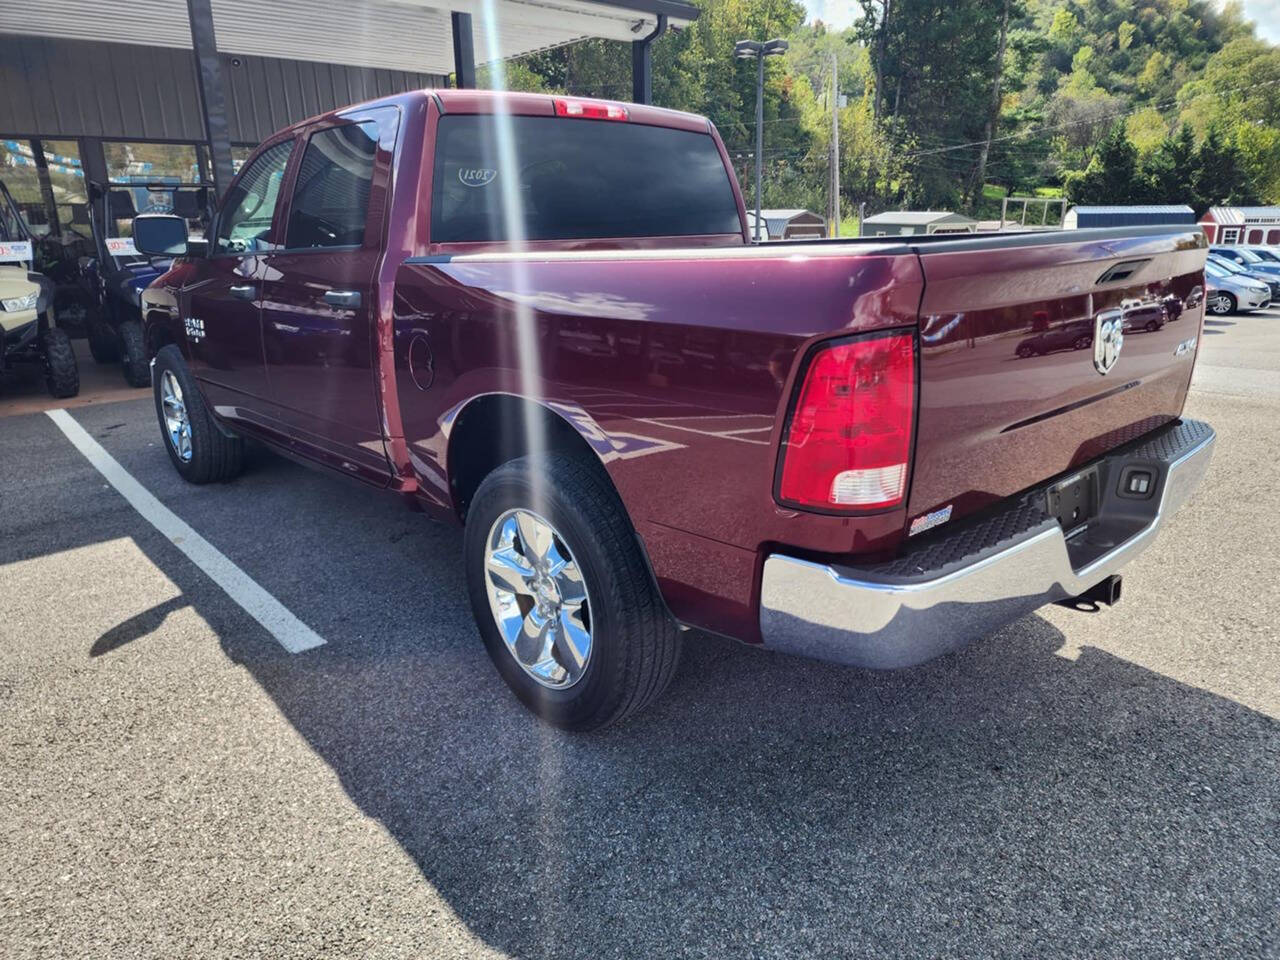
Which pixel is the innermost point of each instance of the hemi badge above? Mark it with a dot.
(930, 520)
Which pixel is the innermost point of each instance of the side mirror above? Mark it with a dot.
(160, 235)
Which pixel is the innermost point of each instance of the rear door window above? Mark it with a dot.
(331, 197)
(578, 179)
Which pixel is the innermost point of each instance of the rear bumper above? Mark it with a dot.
(983, 575)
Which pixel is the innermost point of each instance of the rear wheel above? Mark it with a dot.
(103, 343)
(134, 354)
(1222, 303)
(1083, 343)
(1025, 351)
(564, 601)
(61, 373)
(198, 449)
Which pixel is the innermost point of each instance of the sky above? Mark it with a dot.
(841, 13)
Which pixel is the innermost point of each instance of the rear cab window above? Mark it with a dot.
(579, 180)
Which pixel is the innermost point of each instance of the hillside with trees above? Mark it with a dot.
(952, 103)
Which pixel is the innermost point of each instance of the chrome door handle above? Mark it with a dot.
(342, 298)
(245, 292)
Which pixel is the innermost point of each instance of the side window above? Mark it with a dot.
(331, 199)
(245, 223)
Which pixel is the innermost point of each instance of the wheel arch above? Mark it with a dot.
(494, 428)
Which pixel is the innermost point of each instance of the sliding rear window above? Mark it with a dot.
(577, 180)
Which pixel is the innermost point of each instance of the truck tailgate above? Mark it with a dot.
(1010, 394)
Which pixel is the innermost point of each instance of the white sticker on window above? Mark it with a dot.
(15, 251)
(121, 247)
(476, 176)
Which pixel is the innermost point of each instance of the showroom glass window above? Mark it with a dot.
(580, 179)
(331, 197)
(245, 223)
(68, 220)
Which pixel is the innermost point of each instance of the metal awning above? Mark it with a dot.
(410, 35)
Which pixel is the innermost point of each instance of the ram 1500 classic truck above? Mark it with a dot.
(542, 317)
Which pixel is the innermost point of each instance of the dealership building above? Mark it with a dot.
(182, 90)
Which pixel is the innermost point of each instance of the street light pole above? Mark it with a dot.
(746, 50)
(759, 136)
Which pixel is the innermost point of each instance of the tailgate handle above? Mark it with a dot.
(342, 298)
(245, 292)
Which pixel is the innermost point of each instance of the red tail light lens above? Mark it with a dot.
(849, 440)
(590, 111)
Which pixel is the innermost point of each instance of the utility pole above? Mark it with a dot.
(833, 205)
(745, 50)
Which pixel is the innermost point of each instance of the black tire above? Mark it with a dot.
(635, 642)
(215, 456)
(103, 343)
(1154, 325)
(133, 355)
(61, 373)
(1025, 352)
(1223, 304)
(1083, 342)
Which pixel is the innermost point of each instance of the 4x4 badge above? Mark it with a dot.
(1108, 339)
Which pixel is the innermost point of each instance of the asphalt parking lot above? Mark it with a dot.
(175, 784)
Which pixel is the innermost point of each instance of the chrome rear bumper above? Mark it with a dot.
(977, 579)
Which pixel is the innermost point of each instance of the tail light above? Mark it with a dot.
(847, 445)
(590, 110)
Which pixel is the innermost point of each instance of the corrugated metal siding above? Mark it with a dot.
(73, 88)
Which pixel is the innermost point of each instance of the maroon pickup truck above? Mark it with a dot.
(543, 318)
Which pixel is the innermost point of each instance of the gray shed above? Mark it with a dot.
(787, 225)
(1126, 216)
(904, 223)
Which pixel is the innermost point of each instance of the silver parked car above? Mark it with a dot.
(1229, 292)
(1272, 280)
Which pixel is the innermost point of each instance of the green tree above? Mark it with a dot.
(1112, 174)
(1220, 175)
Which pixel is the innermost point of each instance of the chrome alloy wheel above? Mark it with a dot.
(177, 423)
(1220, 304)
(538, 598)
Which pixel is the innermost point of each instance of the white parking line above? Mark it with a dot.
(290, 632)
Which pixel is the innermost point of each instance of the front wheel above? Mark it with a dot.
(104, 345)
(133, 353)
(1221, 304)
(61, 373)
(563, 598)
(200, 452)
(1083, 343)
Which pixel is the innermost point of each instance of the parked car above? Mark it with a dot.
(29, 333)
(816, 446)
(1069, 336)
(1270, 280)
(119, 273)
(1263, 267)
(1265, 254)
(1146, 316)
(1230, 292)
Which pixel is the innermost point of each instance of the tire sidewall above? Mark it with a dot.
(509, 487)
(170, 359)
(133, 353)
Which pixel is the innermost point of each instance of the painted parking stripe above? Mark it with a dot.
(291, 633)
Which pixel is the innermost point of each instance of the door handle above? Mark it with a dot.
(342, 298)
(244, 292)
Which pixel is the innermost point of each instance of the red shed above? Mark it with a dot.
(1254, 226)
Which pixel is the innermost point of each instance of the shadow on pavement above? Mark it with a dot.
(1001, 800)
(138, 626)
